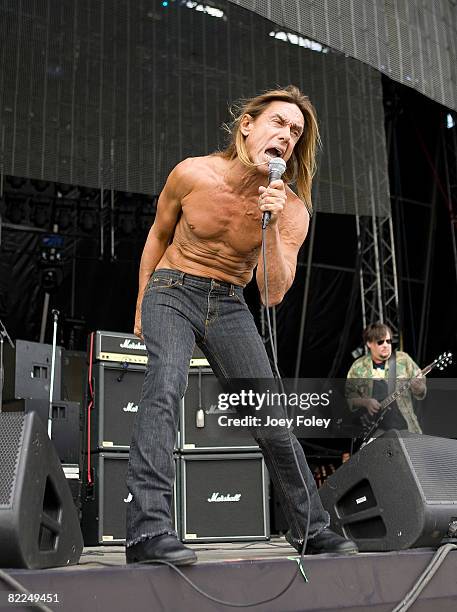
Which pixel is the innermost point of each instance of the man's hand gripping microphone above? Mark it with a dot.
(276, 168)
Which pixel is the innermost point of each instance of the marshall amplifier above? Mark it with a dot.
(117, 395)
(104, 505)
(127, 348)
(200, 428)
(115, 346)
(27, 370)
(224, 498)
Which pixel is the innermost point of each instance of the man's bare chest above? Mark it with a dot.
(213, 214)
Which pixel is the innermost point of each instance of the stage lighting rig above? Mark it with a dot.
(147, 214)
(89, 216)
(40, 185)
(126, 222)
(89, 213)
(63, 189)
(125, 213)
(16, 182)
(64, 215)
(16, 209)
(41, 213)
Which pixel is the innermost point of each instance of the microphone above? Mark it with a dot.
(276, 168)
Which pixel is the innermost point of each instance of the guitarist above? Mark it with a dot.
(373, 377)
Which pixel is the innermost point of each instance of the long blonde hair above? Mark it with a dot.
(301, 167)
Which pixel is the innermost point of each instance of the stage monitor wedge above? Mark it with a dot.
(398, 492)
(39, 525)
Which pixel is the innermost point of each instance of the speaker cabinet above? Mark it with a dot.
(105, 503)
(39, 526)
(66, 430)
(224, 498)
(398, 492)
(28, 371)
(117, 395)
(200, 429)
(74, 375)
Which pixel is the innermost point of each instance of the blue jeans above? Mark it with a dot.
(178, 311)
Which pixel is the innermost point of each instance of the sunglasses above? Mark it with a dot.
(380, 342)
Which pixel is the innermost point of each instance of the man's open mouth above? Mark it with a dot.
(274, 152)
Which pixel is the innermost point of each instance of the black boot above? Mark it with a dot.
(161, 548)
(327, 541)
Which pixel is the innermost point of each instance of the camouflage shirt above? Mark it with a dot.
(357, 387)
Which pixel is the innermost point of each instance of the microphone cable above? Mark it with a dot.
(278, 376)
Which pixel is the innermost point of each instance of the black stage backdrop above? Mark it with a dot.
(106, 289)
(88, 128)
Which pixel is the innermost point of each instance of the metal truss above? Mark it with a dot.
(378, 272)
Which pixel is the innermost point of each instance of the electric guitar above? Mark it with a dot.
(371, 423)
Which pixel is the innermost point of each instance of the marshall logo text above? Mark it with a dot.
(132, 344)
(218, 497)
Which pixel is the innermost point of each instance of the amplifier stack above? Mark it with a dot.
(115, 380)
(221, 490)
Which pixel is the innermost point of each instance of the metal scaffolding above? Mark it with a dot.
(378, 272)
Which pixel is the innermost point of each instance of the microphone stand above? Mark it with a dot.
(55, 314)
(3, 334)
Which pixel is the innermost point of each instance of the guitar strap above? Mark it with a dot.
(392, 380)
(391, 387)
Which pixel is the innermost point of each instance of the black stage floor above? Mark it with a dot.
(243, 573)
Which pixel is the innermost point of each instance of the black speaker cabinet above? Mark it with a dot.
(200, 429)
(74, 375)
(224, 498)
(66, 430)
(117, 395)
(398, 492)
(28, 371)
(39, 526)
(104, 504)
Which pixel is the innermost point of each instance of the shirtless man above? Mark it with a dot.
(200, 253)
